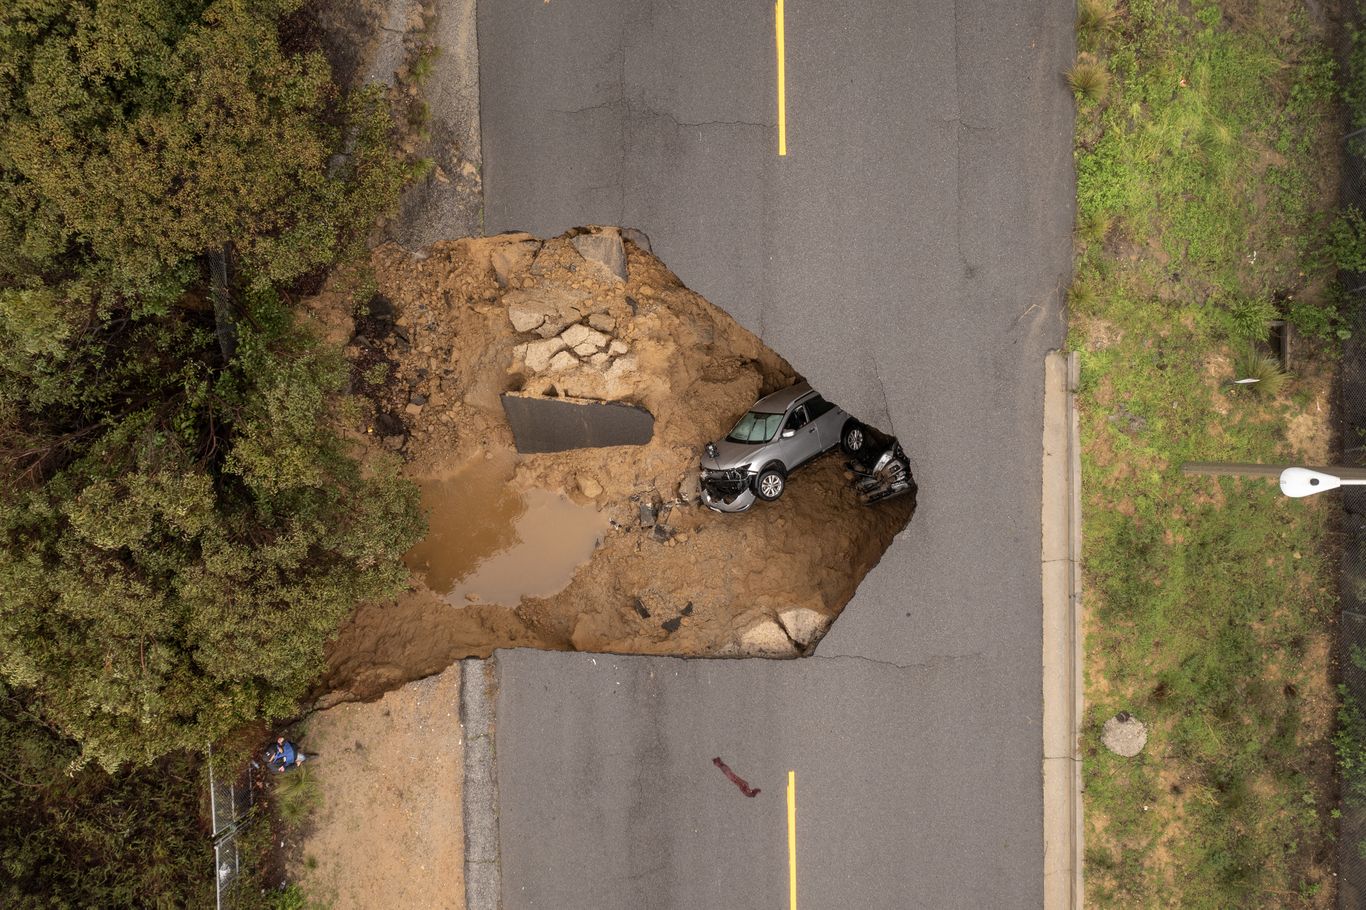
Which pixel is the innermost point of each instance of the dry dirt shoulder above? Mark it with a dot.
(389, 831)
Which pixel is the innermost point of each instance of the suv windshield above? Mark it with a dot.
(756, 426)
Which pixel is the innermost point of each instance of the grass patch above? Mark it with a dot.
(1205, 174)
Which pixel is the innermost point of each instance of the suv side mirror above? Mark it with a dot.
(789, 433)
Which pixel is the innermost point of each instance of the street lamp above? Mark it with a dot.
(1301, 482)
(1296, 481)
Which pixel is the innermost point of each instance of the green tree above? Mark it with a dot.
(181, 538)
(136, 134)
(180, 529)
(95, 839)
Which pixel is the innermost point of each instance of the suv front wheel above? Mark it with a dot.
(770, 483)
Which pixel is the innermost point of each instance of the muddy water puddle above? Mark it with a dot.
(488, 543)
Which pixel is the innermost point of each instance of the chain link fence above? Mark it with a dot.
(231, 799)
(1351, 409)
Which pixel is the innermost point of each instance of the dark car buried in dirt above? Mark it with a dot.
(779, 434)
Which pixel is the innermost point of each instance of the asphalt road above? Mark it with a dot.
(909, 256)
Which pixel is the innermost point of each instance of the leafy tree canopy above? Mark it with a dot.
(180, 530)
(135, 134)
(92, 839)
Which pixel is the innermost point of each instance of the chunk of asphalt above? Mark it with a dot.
(640, 609)
(560, 424)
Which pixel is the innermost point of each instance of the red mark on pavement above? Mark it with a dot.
(736, 779)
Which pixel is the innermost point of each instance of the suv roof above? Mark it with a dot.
(781, 400)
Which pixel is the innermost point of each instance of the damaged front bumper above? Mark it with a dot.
(727, 491)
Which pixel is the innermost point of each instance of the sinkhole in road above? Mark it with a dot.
(596, 549)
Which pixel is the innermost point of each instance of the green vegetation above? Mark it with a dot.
(1089, 78)
(180, 531)
(1264, 370)
(181, 528)
(1203, 183)
(92, 839)
(295, 796)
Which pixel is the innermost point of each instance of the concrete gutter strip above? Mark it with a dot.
(483, 872)
(1062, 638)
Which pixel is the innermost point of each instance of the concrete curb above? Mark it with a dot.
(483, 873)
(1062, 637)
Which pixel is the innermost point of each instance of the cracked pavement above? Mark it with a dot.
(908, 256)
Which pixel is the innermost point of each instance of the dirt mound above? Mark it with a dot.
(453, 328)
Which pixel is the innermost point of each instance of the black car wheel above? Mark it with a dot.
(854, 438)
(770, 483)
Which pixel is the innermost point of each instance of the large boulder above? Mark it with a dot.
(556, 308)
(767, 639)
(804, 625)
(563, 361)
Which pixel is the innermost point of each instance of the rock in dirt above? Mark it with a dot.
(605, 249)
(804, 626)
(512, 259)
(638, 237)
(1124, 735)
(578, 335)
(767, 639)
(537, 354)
(558, 308)
(525, 318)
(589, 487)
(603, 322)
(563, 361)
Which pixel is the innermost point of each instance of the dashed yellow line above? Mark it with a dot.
(782, 97)
(791, 820)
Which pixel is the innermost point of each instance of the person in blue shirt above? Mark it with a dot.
(283, 755)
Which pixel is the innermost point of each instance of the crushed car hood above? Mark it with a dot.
(731, 455)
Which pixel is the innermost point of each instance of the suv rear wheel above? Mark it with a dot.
(770, 483)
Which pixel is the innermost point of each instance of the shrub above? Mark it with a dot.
(90, 838)
(1322, 320)
(1269, 377)
(1250, 317)
(181, 535)
(1089, 79)
(1346, 246)
(296, 795)
(1096, 21)
(180, 529)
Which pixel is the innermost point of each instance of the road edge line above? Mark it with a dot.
(1063, 691)
(479, 787)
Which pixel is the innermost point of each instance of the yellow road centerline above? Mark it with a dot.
(782, 97)
(791, 821)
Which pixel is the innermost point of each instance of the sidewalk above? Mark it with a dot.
(1062, 640)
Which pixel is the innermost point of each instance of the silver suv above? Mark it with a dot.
(778, 434)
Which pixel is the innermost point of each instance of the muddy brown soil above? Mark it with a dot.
(438, 342)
